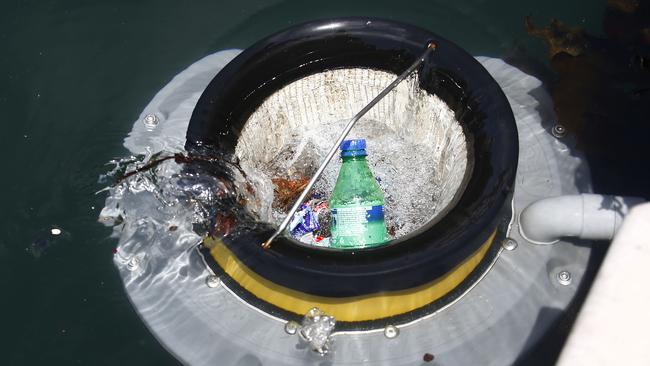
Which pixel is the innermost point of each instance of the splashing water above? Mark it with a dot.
(190, 200)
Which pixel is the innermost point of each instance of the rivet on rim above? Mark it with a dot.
(391, 331)
(509, 244)
(291, 327)
(558, 131)
(212, 281)
(564, 278)
(133, 264)
(150, 121)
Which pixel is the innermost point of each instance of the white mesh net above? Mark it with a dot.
(416, 148)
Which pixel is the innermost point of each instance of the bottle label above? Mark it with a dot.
(358, 226)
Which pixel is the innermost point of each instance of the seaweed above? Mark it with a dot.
(600, 89)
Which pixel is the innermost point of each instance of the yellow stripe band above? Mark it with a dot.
(349, 309)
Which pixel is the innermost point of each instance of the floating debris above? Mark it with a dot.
(44, 239)
(559, 37)
(287, 191)
(38, 246)
(625, 6)
(428, 357)
(600, 89)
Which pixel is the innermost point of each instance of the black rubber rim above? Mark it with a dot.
(455, 76)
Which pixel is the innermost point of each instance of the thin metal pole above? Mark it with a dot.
(430, 47)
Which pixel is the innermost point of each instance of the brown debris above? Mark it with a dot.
(602, 95)
(428, 357)
(222, 225)
(559, 37)
(625, 6)
(645, 35)
(249, 188)
(287, 191)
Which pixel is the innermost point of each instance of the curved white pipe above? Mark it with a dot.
(585, 216)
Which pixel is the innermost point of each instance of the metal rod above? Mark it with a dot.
(430, 47)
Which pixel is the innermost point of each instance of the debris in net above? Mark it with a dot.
(304, 221)
(322, 210)
(311, 223)
(417, 180)
(315, 240)
(287, 191)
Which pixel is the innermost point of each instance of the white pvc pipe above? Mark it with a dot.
(585, 216)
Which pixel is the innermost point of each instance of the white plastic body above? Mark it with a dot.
(612, 327)
(585, 216)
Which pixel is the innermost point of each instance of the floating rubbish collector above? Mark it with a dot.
(472, 178)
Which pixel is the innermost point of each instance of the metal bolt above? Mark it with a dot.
(509, 244)
(564, 278)
(291, 327)
(558, 131)
(212, 281)
(391, 331)
(133, 264)
(150, 121)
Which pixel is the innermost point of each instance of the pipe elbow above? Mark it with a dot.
(585, 216)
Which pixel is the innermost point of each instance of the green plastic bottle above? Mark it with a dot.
(357, 202)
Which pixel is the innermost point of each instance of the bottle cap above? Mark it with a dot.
(353, 147)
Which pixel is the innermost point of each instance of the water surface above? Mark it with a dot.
(74, 76)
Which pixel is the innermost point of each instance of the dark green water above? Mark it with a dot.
(74, 75)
